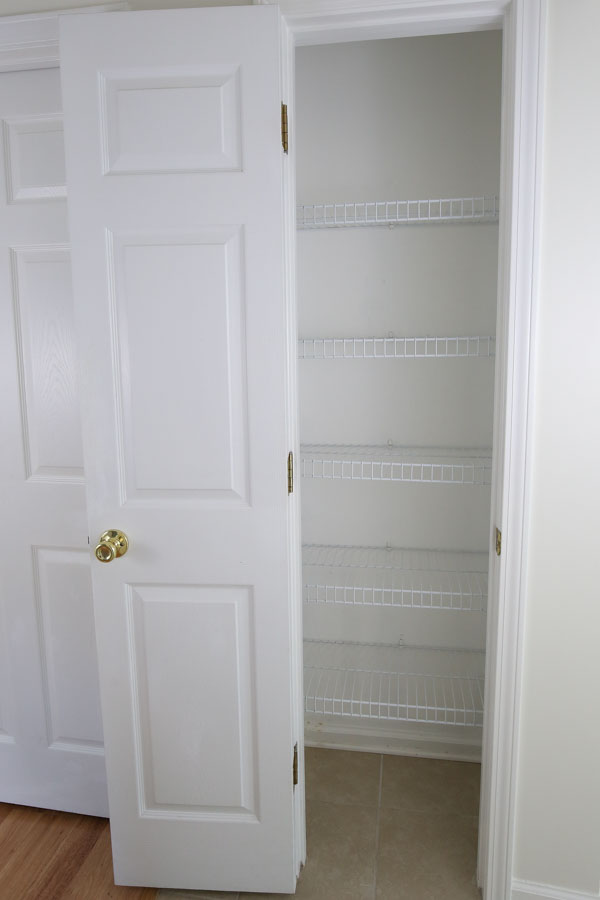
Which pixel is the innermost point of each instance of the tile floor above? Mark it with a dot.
(383, 828)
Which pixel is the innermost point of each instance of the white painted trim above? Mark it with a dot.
(523, 23)
(31, 41)
(404, 740)
(288, 71)
(524, 38)
(333, 21)
(525, 890)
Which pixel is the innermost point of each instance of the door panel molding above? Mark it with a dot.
(208, 466)
(211, 623)
(21, 130)
(167, 107)
(49, 397)
(64, 604)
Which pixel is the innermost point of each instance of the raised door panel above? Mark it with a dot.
(196, 642)
(172, 119)
(179, 312)
(34, 155)
(43, 310)
(68, 648)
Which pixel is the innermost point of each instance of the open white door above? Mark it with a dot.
(174, 162)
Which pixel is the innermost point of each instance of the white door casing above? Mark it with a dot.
(51, 751)
(175, 169)
(523, 23)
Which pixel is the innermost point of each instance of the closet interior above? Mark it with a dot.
(398, 166)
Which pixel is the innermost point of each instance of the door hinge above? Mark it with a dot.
(284, 127)
(290, 472)
(498, 542)
(295, 766)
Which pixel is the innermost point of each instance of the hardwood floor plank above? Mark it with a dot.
(19, 832)
(33, 861)
(49, 855)
(5, 808)
(94, 881)
(68, 858)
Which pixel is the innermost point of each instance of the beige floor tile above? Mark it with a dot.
(426, 857)
(342, 776)
(340, 855)
(165, 893)
(430, 785)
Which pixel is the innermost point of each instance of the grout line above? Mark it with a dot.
(377, 826)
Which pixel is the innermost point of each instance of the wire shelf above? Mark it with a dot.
(396, 348)
(380, 576)
(389, 463)
(397, 212)
(394, 683)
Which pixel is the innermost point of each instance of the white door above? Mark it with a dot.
(175, 166)
(51, 752)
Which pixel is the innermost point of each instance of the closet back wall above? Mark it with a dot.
(385, 120)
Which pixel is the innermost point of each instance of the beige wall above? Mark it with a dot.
(558, 808)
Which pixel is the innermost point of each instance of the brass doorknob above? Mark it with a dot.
(112, 544)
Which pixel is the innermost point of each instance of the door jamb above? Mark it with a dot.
(524, 39)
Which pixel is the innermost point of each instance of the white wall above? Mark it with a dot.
(558, 803)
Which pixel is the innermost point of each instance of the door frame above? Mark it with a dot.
(523, 23)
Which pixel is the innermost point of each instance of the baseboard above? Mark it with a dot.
(407, 740)
(526, 890)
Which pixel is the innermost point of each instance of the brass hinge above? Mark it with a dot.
(284, 127)
(295, 765)
(290, 471)
(498, 542)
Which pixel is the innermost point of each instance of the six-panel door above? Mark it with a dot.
(174, 167)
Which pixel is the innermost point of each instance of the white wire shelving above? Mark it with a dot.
(396, 348)
(397, 212)
(362, 462)
(392, 576)
(377, 681)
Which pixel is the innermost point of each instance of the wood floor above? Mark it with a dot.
(47, 855)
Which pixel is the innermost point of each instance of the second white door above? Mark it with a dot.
(51, 744)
